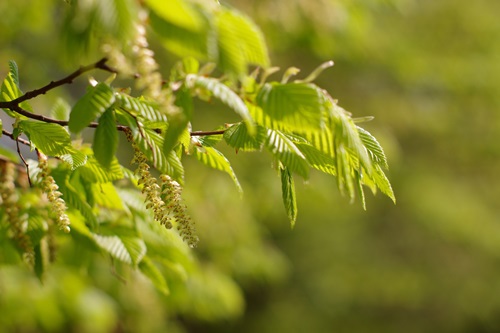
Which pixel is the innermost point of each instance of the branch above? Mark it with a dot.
(203, 133)
(101, 64)
(10, 135)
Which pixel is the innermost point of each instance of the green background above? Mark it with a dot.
(429, 72)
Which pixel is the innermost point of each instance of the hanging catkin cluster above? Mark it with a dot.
(9, 202)
(165, 199)
(50, 188)
(171, 195)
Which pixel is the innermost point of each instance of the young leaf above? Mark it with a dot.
(60, 110)
(224, 93)
(213, 158)
(178, 12)
(283, 148)
(139, 106)
(94, 172)
(237, 136)
(182, 41)
(149, 269)
(129, 250)
(178, 122)
(50, 139)
(317, 159)
(240, 42)
(288, 193)
(106, 139)
(373, 147)
(293, 106)
(10, 90)
(90, 106)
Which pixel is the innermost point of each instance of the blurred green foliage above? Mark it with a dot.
(429, 71)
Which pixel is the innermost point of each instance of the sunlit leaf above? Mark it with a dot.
(222, 92)
(213, 158)
(90, 106)
(283, 148)
(292, 106)
(130, 250)
(240, 42)
(237, 136)
(139, 106)
(374, 148)
(51, 139)
(94, 172)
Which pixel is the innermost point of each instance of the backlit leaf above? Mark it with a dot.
(97, 100)
(288, 194)
(106, 139)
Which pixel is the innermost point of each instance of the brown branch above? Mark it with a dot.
(101, 64)
(203, 133)
(10, 135)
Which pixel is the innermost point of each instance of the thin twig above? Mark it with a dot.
(10, 135)
(203, 133)
(24, 161)
(101, 64)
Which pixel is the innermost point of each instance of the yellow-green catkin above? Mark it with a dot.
(50, 188)
(171, 195)
(163, 199)
(9, 200)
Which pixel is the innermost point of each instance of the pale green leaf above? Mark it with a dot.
(317, 159)
(213, 158)
(97, 100)
(224, 93)
(288, 194)
(177, 12)
(294, 106)
(139, 106)
(106, 139)
(240, 42)
(379, 179)
(182, 41)
(373, 147)
(114, 246)
(60, 110)
(94, 172)
(50, 139)
(74, 158)
(179, 121)
(237, 136)
(283, 148)
(106, 195)
(149, 269)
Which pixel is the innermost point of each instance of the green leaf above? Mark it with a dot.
(213, 158)
(74, 198)
(169, 164)
(240, 42)
(90, 106)
(149, 269)
(379, 179)
(283, 148)
(130, 250)
(317, 159)
(60, 110)
(179, 121)
(184, 42)
(106, 139)
(74, 158)
(177, 12)
(373, 147)
(294, 106)
(50, 139)
(288, 193)
(94, 172)
(224, 93)
(139, 106)
(237, 136)
(345, 174)
(10, 90)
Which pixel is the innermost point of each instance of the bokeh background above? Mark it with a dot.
(429, 72)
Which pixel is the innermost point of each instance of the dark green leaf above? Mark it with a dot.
(288, 193)
(106, 139)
